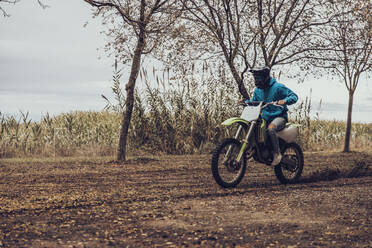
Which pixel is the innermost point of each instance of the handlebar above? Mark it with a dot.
(263, 104)
(272, 103)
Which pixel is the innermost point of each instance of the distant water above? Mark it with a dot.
(362, 117)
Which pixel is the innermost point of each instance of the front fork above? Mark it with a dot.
(244, 145)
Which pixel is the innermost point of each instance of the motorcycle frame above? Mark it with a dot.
(252, 129)
(245, 140)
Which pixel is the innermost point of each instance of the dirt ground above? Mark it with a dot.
(173, 201)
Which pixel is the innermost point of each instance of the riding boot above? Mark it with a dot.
(277, 156)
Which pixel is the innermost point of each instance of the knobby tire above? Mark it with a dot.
(215, 163)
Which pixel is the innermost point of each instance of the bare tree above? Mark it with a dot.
(287, 30)
(5, 14)
(347, 49)
(135, 28)
(220, 22)
(255, 32)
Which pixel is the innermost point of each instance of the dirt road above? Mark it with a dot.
(173, 201)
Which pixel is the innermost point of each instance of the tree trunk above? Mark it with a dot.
(129, 102)
(348, 122)
(239, 81)
(234, 72)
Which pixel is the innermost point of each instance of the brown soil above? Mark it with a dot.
(173, 201)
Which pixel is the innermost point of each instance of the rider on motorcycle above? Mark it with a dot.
(269, 90)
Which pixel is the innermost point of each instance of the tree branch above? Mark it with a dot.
(126, 17)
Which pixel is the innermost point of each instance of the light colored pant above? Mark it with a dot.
(279, 123)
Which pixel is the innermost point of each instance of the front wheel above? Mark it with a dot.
(225, 169)
(290, 168)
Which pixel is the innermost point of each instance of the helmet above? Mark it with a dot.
(261, 77)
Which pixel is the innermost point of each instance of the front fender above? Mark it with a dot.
(233, 120)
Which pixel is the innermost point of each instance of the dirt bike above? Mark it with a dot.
(230, 158)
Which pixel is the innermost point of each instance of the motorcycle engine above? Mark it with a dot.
(266, 154)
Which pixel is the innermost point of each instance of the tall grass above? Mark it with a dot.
(173, 116)
(182, 116)
(74, 133)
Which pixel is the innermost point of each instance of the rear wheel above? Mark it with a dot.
(226, 171)
(289, 170)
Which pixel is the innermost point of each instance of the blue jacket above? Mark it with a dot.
(275, 92)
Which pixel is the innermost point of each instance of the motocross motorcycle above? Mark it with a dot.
(229, 160)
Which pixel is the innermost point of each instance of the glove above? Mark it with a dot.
(242, 101)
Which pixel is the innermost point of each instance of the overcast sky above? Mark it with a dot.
(49, 63)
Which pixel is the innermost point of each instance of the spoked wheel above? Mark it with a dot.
(290, 168)
(226, 171)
